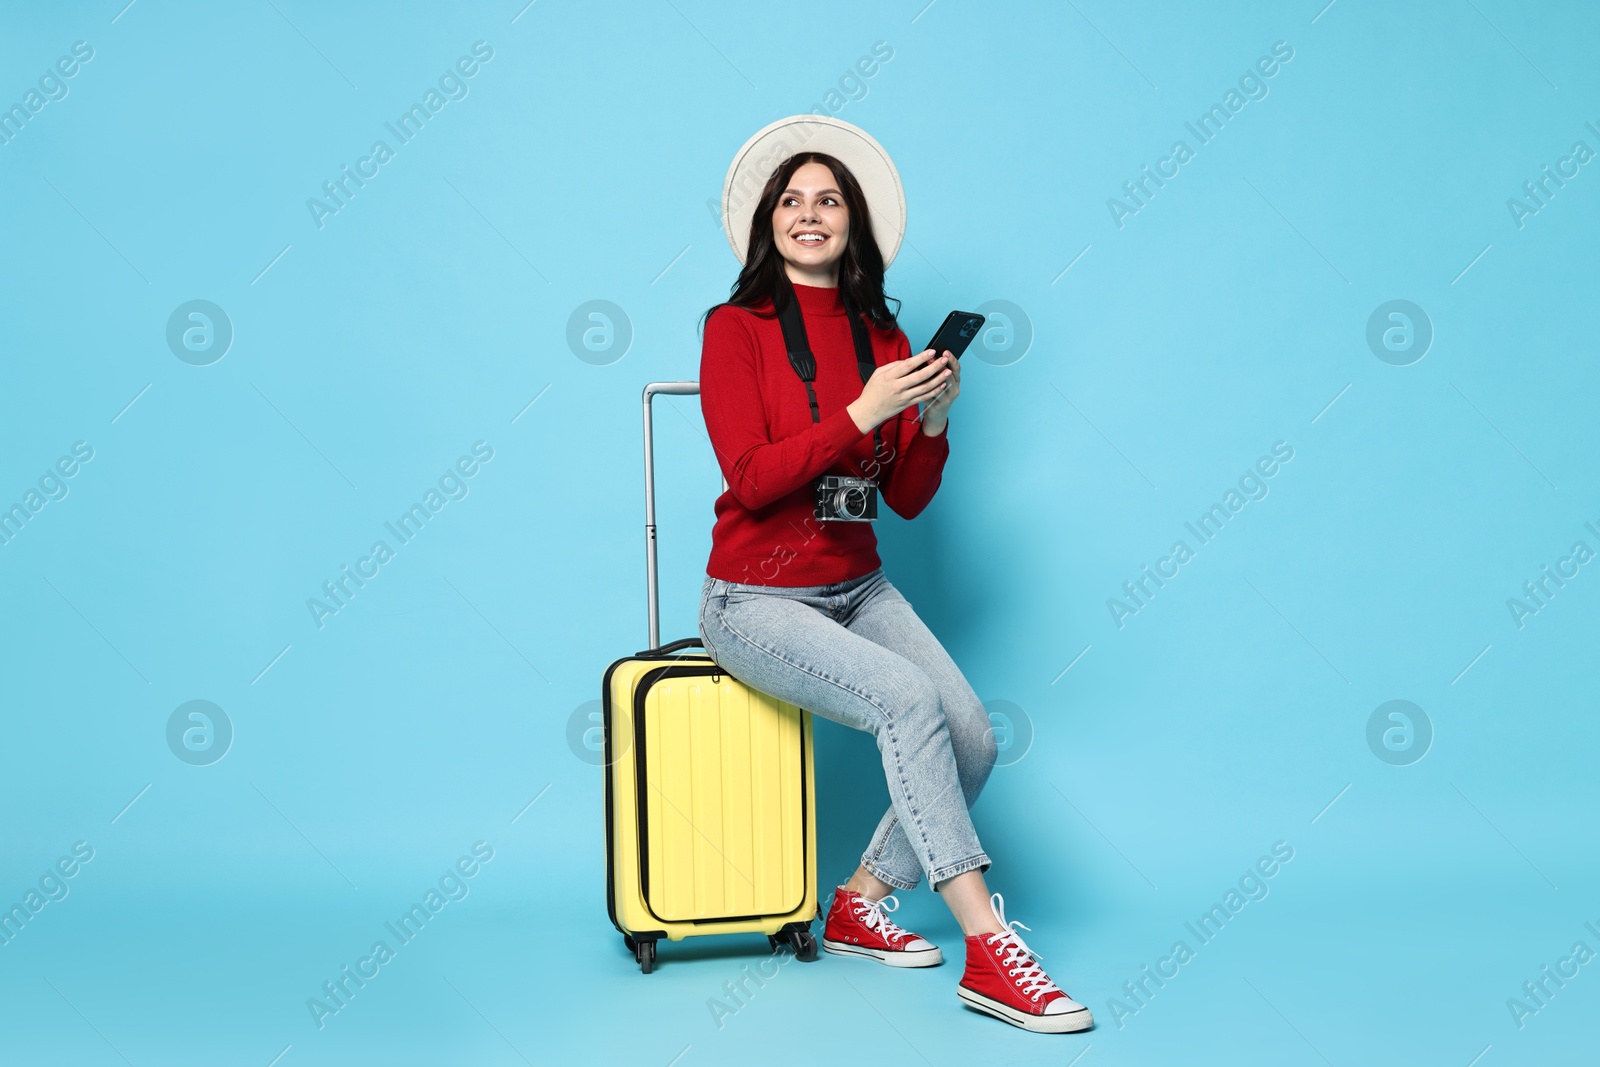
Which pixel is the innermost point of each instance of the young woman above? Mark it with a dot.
(800, 608)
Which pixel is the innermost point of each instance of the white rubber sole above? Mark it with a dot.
(1063, 1023)
(924, 957)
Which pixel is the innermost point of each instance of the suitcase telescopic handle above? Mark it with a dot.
(652, 592)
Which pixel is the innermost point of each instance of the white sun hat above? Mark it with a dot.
(854, 147)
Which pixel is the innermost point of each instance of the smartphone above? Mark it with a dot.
(959, 328)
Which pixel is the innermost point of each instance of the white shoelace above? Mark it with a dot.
(874, 916)
(1022, 961)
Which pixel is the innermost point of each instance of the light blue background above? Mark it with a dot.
(1228, 314)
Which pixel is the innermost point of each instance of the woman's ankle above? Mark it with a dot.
(967, 897)
(868, 884)
(976, 920)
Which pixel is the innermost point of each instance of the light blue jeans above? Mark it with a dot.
(856, 653)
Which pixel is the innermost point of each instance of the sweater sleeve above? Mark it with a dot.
(918, 466)
(759, 470)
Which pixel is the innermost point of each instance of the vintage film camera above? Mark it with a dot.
(840, 498)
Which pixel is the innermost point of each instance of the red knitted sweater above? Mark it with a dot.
(770, 451)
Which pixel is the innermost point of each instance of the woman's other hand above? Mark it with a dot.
(936, 415)
(899, 384)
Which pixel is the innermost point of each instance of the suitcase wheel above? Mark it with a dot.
(805, 946)
(800, 941)
(645, 953)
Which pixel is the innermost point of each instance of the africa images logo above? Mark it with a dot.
(452, 86)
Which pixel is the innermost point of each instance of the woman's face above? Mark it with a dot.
(811, 225)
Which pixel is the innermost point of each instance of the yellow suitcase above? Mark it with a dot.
(710, 801)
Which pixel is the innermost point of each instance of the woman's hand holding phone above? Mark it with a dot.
(899, 384)
(937, 413)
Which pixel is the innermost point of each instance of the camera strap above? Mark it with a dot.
(805, 363)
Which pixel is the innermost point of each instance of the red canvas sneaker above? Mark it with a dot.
(1004, 979)
(858, 926)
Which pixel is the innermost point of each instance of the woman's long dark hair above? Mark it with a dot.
(860, 268)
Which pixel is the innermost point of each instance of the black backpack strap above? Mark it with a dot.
(800, 354)
(865, 364)
(794, 339)
(858, 333)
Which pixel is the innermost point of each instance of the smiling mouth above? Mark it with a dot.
(810, 238)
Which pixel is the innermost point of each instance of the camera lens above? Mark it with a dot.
(853, 502)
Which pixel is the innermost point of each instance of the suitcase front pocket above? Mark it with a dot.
(720, 772)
